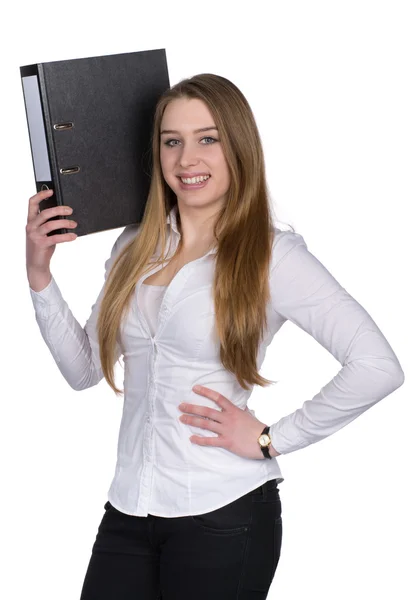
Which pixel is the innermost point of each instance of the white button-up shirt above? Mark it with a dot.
(168, 344)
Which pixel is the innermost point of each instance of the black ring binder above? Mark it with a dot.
(112, 99)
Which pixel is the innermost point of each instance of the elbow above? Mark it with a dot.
(398, 377)
(394, 376)
(384, 375)
(81, 387)
(77, 387)
(89, 381)
(397, 372)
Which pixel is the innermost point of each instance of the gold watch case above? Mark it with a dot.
(264, 440)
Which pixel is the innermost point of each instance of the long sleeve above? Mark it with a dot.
(75, 349)
(304, 292)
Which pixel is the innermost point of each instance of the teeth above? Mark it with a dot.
(195, 179)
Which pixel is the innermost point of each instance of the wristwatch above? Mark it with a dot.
(264, 441)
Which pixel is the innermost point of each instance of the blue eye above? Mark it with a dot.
(168, 142)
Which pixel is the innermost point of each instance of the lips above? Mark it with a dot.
(193, 186)
(190, 175)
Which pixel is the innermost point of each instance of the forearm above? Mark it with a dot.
(76, 355)
(38, 280)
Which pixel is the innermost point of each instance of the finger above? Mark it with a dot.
(34, 202)
(221, 400)
(218, 442)
(61, 237)
(204, 411)
(202, 423)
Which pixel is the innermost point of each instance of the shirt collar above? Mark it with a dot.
(172, 220)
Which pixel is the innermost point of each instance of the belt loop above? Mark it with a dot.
(264, 491)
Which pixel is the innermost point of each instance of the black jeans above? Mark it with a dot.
(227, 554)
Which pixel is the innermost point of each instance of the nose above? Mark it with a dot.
(189, 156)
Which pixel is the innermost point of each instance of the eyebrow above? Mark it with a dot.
(195, 131)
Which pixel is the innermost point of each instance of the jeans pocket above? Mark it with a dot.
(232, 519)
(213, 528)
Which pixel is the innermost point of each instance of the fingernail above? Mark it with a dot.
(197, 388)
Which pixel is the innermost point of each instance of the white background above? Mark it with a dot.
(333, 89)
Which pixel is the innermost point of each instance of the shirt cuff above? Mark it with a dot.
(47, 301)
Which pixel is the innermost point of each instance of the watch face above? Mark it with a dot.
(264, 440)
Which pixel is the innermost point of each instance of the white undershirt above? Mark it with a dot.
(150, 299)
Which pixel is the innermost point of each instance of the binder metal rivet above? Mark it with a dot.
(59, 126)
(69, 170)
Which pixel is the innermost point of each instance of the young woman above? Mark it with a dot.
(194, 295)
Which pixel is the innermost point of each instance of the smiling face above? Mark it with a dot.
(186, 152)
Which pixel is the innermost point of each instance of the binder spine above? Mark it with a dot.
(40, 132)
(51, 145)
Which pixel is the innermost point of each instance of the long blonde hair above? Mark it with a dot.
(243, 233)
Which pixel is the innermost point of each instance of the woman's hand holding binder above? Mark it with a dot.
(39, 246)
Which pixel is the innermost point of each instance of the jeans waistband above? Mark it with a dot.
(262, 489)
